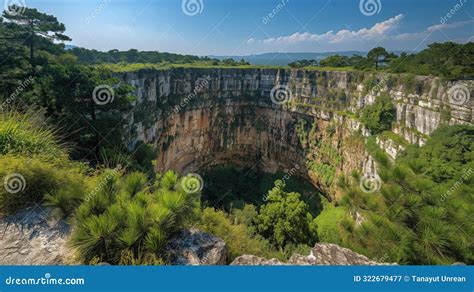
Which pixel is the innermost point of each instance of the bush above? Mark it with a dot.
(130, 223)
(238, 237)
(30, 179)
(379, 116)
(285, 219)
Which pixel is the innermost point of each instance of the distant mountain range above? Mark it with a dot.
(282, 59)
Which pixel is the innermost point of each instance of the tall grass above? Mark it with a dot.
(29, 135)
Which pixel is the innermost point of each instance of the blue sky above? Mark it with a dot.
(241, 27)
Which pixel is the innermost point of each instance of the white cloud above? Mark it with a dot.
(375, 32)
(449, 25)
(386, 34)
(431, 29)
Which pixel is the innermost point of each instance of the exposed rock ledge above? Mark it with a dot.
(194, 247)
(321, 254)
(33, 237)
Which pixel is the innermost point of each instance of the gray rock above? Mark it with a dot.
(194, 247)
(34, 237)
(321, 254)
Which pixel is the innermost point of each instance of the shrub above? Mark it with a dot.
(238, 237)
(128, 223)
(285, 219)
(379, 116)
(31, 179)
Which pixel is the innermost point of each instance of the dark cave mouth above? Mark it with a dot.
(230, 187)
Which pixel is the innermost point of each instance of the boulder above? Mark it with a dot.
(320, 254)
(194, 247)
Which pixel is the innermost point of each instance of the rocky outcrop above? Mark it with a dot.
(194, 247)
(322, 254)
(33, 237)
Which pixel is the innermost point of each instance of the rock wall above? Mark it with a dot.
(198, 117)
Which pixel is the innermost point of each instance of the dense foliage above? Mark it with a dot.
(285, 219)
(379, 116)
(422, 214)
(47, 76)
(126, 217)
(33, 163)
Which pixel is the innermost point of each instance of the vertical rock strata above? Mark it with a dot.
(199, 117)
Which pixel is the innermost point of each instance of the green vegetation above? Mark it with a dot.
(126, 217)
(422, 214)
(28, 135)
(31, 179)
(33, 163)
(239, 236)
(379, 116)
(152, 58)
(285, 219)
(449, 60)
(231, 188)
(51, 78)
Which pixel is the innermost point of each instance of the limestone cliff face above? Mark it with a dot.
(198, 117)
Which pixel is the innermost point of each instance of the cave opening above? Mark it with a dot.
(229, 187)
